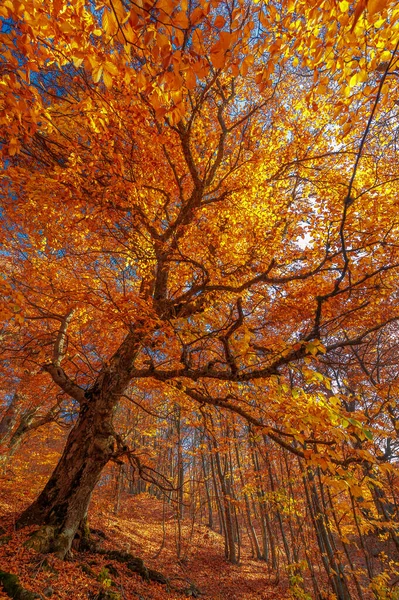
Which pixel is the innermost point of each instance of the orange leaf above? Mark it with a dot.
(376, 6)
(218, 59)
(180, 20)
(191, 80)
(219, 22)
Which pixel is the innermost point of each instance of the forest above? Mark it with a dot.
(199, 303)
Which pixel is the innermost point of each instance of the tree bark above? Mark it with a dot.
(62, 506)
(9, 418)
(64, 501)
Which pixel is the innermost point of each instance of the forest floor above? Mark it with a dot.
(143, 528)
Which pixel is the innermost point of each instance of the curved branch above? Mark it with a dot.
(64, 382)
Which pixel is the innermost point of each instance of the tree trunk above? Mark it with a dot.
(230, 547)
(11, 438)
(9, 418)
(7, 424)
(251, 529)
(63, 503)
(205, 469)
(118, 488)
(330, 559)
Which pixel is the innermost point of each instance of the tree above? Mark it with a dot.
(163, 162)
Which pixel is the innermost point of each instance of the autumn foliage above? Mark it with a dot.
(199, 265)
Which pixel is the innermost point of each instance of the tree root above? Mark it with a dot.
(14, 589)
(4, 539)
(41, 540)
(137, 565)
(48, 539)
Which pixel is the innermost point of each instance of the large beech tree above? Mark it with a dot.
(197, 198)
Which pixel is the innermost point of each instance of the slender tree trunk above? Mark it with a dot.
(231, 552)
(344, 545)
(118, 487)
(11, 438)
(205, 468)
(16, 437)
(222, 525)
(385, 508)
(332, 565)
(9, 418)
(261, 503)
(251, 528)
(29, 421)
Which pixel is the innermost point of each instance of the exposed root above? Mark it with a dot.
(137, 565)
(14, 589)
(49, 539)
(42, 540)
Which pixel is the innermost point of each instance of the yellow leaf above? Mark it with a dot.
(359, 77)
(379, 23)
(347, 128)
(77, 62)
(111, 68)
(97, 72)
(219, 22)
(107, 77)
(119, 10)
(13, 147)
(67, 28)
(356, 490)
(110, 24)
(360, 7)
(386, 56)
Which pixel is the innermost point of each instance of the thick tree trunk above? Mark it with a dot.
(62, 506)
(63, 503)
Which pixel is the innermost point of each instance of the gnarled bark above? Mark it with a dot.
(62, 506)
(64, 501)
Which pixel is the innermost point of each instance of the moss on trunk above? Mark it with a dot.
(41, 540)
